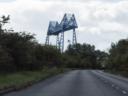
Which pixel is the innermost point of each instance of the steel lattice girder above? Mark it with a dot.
(54, 28)
(68, 22)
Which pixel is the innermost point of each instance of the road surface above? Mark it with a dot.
(78, 83)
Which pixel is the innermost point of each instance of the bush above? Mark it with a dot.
(118, 56)
(6, 61)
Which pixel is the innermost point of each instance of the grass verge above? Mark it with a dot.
(26, 78)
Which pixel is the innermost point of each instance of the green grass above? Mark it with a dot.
(21, 78)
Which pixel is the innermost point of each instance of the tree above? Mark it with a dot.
(118, 56)
(6, 61)
(3, 21)
(84, 55)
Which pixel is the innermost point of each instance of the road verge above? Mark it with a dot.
(24, 79)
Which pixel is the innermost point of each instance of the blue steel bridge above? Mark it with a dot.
(58, 28)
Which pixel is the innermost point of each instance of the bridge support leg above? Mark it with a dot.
(57, 41)
(74, 39)
(62, 42)
(47, 40)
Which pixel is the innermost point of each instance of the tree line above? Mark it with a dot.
(20, 51)
(117, 60)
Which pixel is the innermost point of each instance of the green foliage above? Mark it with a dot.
(47, 55)
(19, 51)
(6, 61)
(118, 56)
(83, 56)
(26, 53)
(3, 21)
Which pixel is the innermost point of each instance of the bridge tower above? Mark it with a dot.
(74, 39)
(74, 25)
(53, 30)
(67, 23)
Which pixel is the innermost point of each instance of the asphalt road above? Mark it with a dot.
(78, 83)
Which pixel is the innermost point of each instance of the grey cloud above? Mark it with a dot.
(7, 0)
(121, 17)
(82, 0)
(103, 40)
(36, 21)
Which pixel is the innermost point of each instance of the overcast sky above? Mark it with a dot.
(100, 22)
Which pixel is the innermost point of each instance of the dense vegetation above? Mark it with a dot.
(20, 51)
(117, 60)
(84, 56)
